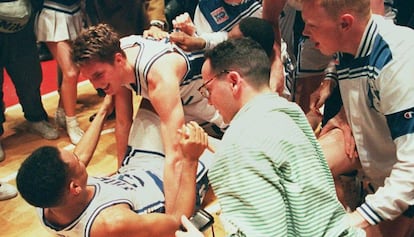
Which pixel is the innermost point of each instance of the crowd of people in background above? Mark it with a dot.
(305, 101)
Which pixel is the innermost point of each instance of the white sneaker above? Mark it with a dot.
(60, 118)
(44, 129)
(74, 131)
(7, 191)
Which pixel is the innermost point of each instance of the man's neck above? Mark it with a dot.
(64, 215)
(249, 94)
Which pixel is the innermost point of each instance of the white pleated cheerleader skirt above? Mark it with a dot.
(57, 22)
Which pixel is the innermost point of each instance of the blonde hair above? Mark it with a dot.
(359, 8)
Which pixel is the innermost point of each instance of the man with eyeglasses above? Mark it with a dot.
(269, 173)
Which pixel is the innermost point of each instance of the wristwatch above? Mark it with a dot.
(159, 24)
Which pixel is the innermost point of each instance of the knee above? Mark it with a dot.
(333, 147)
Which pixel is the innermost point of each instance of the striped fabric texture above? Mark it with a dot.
(271, 178)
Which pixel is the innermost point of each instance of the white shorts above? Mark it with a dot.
(310, 60)
(146, 149)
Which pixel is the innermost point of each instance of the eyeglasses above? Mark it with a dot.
(203, 89)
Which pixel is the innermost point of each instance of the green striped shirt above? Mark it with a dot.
(270, 175)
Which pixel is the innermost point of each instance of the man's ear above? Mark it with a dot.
(235, 80)
(118, 58)
(74, 188)
(347, 20)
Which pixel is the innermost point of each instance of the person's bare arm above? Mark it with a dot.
(271, 13)
(86, 147)
(193, 142)
(123, 121)
(120, 221)
(320, 95)
(164, 94)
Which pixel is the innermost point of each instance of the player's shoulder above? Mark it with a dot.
(112, 220)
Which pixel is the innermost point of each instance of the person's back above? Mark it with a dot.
(195, 106)
(279, 172)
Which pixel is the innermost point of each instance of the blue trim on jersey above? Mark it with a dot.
(401, 123)
(195, 60)
(130, 153)
(134, 151)
(370, 213)
(372, 58)
(202, 170)
(367, 41)
(222, 16)
(366, 63)
(138, 88)
(157, 180)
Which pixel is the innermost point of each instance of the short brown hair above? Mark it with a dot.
(97, 43)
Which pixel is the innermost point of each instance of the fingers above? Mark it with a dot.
(192, 132)
(177, 37)
(326, 129)
(182, 20)
(192, 231)
(316, 101)
(187, 224)
(184, 23)
(155, 33)
(108, 103)
(349, 144)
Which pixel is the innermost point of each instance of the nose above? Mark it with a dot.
(306, 31)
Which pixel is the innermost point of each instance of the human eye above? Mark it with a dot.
(97, 76)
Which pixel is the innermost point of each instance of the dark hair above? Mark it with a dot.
(97, 43)
(42, 178)
(259, 30)
(243, 55)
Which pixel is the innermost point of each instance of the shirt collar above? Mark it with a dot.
(368, 38)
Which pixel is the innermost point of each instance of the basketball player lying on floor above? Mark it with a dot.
(128, 203)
